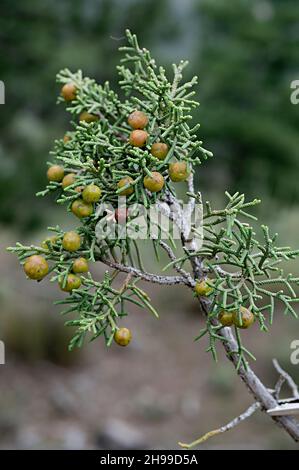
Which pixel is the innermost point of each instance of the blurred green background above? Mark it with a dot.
(164, 388)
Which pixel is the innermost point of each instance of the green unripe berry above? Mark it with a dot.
(226, 318)
(71, 241)
(154, 183)
(55, 173)
(137, 120)
(88, 117)
(80, 265)
(202, 288)
(243, 318)
(178, 171)
(122, 336)
(72, 282)
(68, 180)
(50, 240)
(124, 182)
(81, 208)
(36, 267)
(91, 193)
(159, 150)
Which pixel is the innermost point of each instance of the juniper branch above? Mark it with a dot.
(244, 270)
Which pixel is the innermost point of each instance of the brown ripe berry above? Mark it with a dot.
(88, 117)
(138, 138)
(124, 182)
(243, 318)
(49, 241)
(55, 173)
(81, 208)
(202, 288)
(178, 171)
(91, 193)
(138, 120)
(68, 91)
(72, 282)
(154, 183)
(71, 241)
(159, 150)
(80, 265)
(68, 180)
(79, 189)
(66, 138)
(36, 267)
(122, 336)
(121, 215)
(226, 318)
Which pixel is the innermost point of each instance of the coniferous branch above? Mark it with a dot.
(98, 153)
(235, 276)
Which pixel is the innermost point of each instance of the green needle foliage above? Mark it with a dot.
(242, 271)
(245, 271)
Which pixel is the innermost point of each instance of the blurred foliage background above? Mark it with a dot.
(246, 55)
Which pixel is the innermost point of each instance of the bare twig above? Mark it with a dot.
(149, 277)
(191, 202)
(223, 273)
(278, 386)
(286, 378)
(249, 412)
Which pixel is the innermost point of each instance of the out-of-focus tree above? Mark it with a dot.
(245, 53)
(36, 40)
(248, 55)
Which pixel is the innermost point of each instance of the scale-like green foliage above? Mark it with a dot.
(242, 271)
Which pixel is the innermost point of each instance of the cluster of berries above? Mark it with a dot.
(83, 206)
(242, 318)
(178, 171)
(138, 121)
(36, 267)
